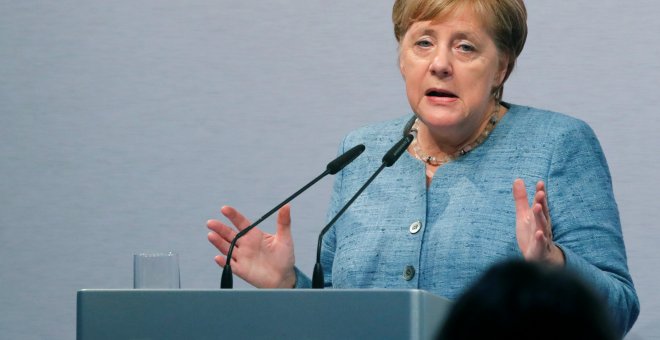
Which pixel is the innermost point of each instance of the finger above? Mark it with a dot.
(284, 223)
(222, 261)
(236, 218)
(542, 202)
(520, 197)
(540, 187)
(539, 199)
(541, 245)
(219, 242)
(534, 250)
(221, 229)
(541, 221)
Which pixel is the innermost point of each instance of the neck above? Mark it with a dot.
(436, 151)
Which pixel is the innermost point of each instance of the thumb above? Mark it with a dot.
(520, 196)
(284, 222)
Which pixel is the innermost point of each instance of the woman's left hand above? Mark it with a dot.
(533, 227)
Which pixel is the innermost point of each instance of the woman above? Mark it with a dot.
(444, 212)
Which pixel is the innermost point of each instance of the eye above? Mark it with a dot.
(465, 48)
(424, 43)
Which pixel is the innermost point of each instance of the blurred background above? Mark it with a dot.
(125, 125)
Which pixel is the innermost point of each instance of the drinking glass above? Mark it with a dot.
(156, 271)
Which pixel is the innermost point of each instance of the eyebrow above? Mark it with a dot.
(467, 34)
(462, 34)
(428, 31)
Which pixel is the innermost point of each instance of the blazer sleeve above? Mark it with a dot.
(585, 221)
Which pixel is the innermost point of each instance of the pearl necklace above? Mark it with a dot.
(438, 161)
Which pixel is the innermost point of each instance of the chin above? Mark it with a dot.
(441, 118)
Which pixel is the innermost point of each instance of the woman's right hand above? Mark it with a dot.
(261, 259)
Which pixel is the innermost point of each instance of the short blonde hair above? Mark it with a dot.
(506, 21)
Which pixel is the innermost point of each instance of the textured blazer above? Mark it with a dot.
(401, 234)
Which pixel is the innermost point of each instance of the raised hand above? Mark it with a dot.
(533, 226)
(263, 260)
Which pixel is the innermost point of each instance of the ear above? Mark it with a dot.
(402, 67)
(502, 70)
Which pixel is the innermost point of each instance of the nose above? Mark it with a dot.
(441, 64)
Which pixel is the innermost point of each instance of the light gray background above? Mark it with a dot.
(125, 125)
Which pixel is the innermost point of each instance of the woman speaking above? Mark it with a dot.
(457, 202)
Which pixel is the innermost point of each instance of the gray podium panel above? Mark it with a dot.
(259, 314)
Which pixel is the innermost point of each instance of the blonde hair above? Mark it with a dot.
(506, 21)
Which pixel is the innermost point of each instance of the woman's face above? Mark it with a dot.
(450, 67)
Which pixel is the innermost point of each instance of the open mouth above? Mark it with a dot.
(440, 93)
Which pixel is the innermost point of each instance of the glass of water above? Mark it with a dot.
(156, 271)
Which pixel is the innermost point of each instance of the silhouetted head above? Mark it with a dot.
(523, 300)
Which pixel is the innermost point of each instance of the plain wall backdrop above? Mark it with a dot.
(125, 125)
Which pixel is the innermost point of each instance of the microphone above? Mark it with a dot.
(227, 280)
(390, 157)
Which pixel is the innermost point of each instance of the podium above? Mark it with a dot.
(259, 314)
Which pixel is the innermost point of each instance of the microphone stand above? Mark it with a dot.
(227, 280)
(389, 159)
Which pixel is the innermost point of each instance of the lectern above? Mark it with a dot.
(259, 314)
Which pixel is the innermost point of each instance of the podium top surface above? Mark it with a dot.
(258, 314)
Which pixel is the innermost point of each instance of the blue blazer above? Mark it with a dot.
(401, 234)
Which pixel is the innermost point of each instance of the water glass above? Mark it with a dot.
(156, 271)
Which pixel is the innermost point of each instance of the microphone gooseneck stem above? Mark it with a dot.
(332, 168)
(315, 277)
(392, 155)
(227, 280)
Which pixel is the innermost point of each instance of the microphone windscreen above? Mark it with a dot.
(409, 125)
(343, 160)
(397, 150)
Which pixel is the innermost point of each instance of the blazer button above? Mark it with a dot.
(415, 227)
(408, 273)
